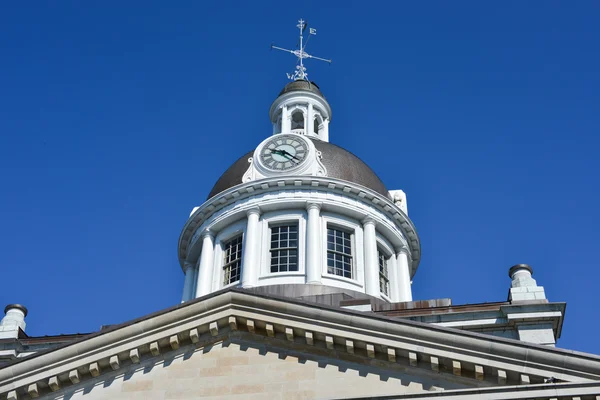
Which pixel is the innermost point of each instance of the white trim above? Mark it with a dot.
(355, 228)
(300, 97)
(224, 236)
(383, 244)
(278, 217)
(344, 207)
(334, 193)
(386, 298)
(319, 133)
(308, 166)
(303, 109)
(401, 336)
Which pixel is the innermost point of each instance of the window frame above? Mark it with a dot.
(383, 264)
(279, 249)
(318, 121)
(274, 218)
(384, 246)
(221, 239)
(350, 255)
(356, 240)
(224, 264)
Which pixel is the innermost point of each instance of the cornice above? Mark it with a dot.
(298, 97)
(545, 391)
(312, 183)
(391, 343)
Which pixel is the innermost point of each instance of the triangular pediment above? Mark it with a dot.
(240, 368)
(249, 342)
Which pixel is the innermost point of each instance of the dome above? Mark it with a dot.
(340, 164)
(301, 85)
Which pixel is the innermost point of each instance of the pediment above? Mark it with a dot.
(242, 368)
(234, 331)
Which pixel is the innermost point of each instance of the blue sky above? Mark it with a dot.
(117, 118)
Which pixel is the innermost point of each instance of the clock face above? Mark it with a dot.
(284, 152)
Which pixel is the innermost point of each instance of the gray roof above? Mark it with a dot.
(340, 164)
(301, 85)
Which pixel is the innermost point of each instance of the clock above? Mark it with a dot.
(284, 152)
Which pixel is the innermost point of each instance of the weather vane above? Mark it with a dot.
(300, 72)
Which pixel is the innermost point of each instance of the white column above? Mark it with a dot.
(286, 121)
(403, 270)
(250, 250)
(195, 280)
(325, 136)
(393, 277)
(275, 126)
(371, 262)
(206, 265)
(314, 255)
(308, 126)
(188, 284)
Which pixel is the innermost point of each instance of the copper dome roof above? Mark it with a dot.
(301, 85)
(340, 164)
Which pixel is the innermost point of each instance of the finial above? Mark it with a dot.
(300, 72)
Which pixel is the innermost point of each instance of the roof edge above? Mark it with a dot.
(509, 354)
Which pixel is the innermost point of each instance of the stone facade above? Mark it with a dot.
(238, 344)
(239, 369)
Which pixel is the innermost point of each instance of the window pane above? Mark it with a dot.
(232, 256)
(384, 282)
(284, 244)
(339, 252)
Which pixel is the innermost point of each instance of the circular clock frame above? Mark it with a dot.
(284, 153)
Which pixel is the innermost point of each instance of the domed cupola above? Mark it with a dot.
(338, 162)
(299, 216)
(301, 108)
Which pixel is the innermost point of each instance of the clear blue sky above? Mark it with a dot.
(116, 118)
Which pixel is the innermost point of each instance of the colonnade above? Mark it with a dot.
(199, 277)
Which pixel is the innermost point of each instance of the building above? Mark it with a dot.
(298, 271)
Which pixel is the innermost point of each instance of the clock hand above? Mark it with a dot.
(286, 153)
(279, 152)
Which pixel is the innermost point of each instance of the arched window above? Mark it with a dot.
(318, 124)
(298, 120)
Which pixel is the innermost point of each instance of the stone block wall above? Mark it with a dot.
(241, 370)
